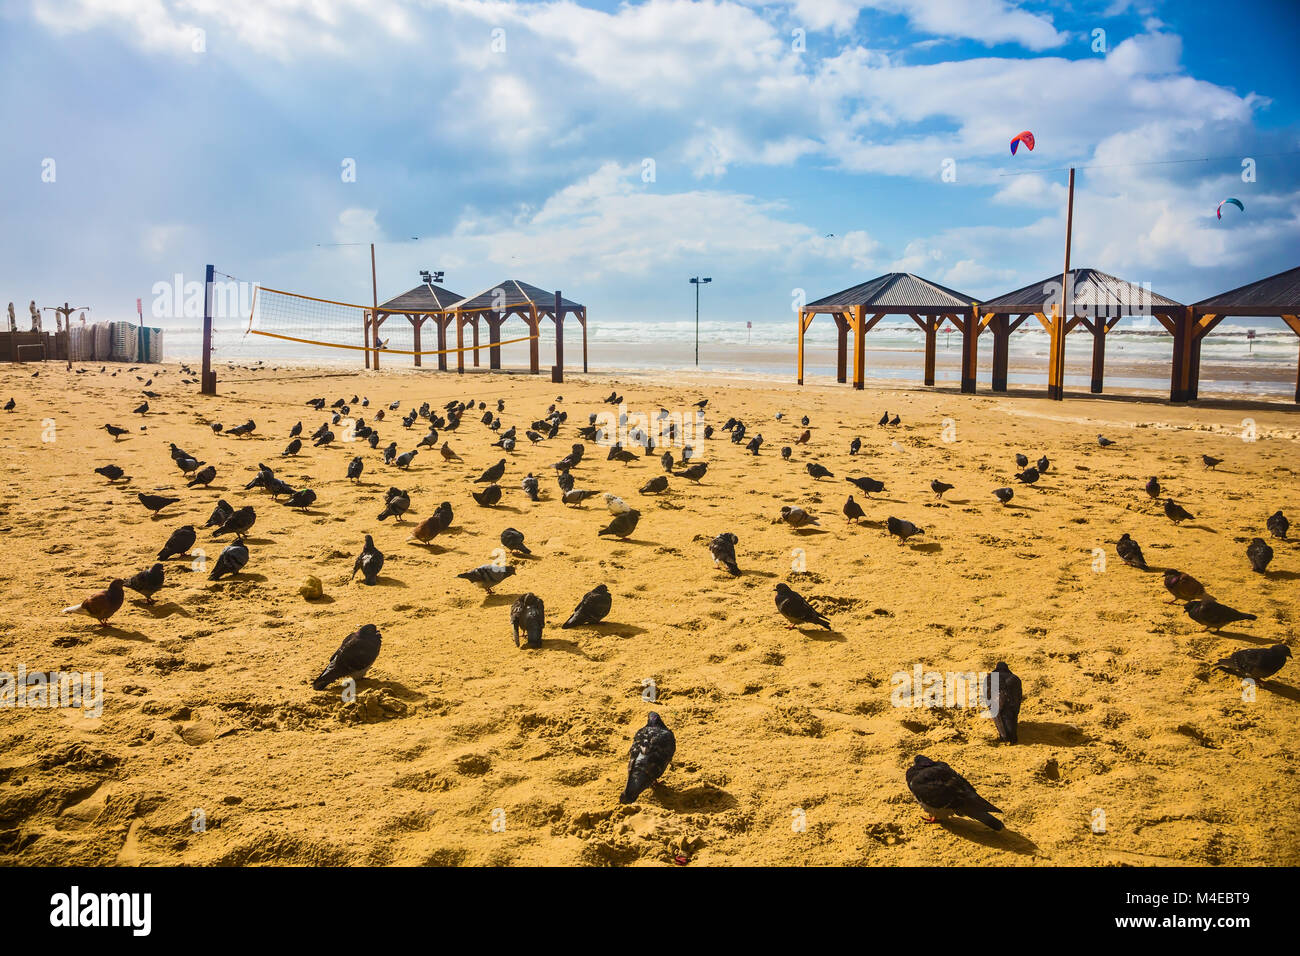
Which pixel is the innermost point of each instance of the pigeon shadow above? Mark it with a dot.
(112, 630)
(1200, 527)
(703, 798)
(754, 572)
(396, 688)
(930, 547)
(1282, 575)
(323, 599)
(617, 630)
(428, 546)
(976, 832)
(496, 600)
(1248, 638)
(388, 582)
(804, 532)
(640, 541)
(556, 644)
(1282, 690)
(1046, 732)
(821, 634)
(163, 610)
(257, 541)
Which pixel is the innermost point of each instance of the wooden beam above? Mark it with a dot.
(931, 328)
(1001, 329)
(534, 344)
(1098, 330)
(494, 340)
(970, 349)
(583, 320)
(859, 348)
(415, 336)
(460, 343)
(842, 348)
(558, 318)
(799, 360)
(476, 318)
(441, 321)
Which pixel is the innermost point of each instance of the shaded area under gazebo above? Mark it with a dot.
(895, 293)
(425, 302)
(1097, 301)
(530, 303)
(1277, 295)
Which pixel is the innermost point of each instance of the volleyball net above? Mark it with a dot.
(291, 319)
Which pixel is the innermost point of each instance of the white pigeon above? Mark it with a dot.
(615, 504)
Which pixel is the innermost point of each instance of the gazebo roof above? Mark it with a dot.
(423, 298)
(1276, 295)
(897, 292)
(514, 294)
(1092, 288)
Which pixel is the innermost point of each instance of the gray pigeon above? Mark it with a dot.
(528, 614)
(1257, 663)
(592, 609)
(1002, 695)
(902, 530)
(723, 550)
(1258, 551)
(147, 583)
(231, 561)
(942, 793)
(354, 657)
(369, 562)
(622, 525)
(180, 542)
(513, 540)
(653, 747)
(795, 609)
(488, 576)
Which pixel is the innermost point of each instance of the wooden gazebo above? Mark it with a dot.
(1277, 295)
(513, 297)
(1095, 300)
(895, 293)
(420, 304)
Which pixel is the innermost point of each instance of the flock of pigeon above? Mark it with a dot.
(941, 791)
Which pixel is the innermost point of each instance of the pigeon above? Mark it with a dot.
(622, 525)
(428, 529)
(325, 438)
(592, 609)
(404, 460)
(513, 540)
(428, 441)
(1004, 495)
(623, 455)
(530, 487)
(354, 657)
(652, 751)
(1003, 696)
(10, 405)
(1042, 465)
(302, 500)
(1176, 512)
(444, 515)
(493, 474)
(141, 409)
(1153, 487)
(1211, 614)
(1022, 461)
(817, 471)
(939, 487)
(1129, 552)
(655, 485)
(804, 438)
(796, 610)
(755, 444)
(786, 452)
(1104, 442)
(292, 448)
(188, 465)
(155, 503)
(488, 576)
(1028, 476)
(1257, 663)
(615, 504)
(369, 562)
(102, 604)
(796, 517)
(1210, 463)
(231, 561)
(723, 550)
(296, 430)
(884, 419)
(179, 544)
(147, 583)
(239, 522)
(942, 793)
(1277, 525)
(528, 614)
(116, 432)
(902, 529)
(694, 472)
(390, 453)
(852, 510)
(239, 431)
(488, 496)
(447, 453)
(1183, 586)
(855, 446)
(666, 460)
(204, 477)
(220, 513)
(576, 496)
(395, 506)
(1260, 554)
(114, 473)
(355, 467)
(867, 486)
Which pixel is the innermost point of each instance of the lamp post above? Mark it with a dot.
(697, 282)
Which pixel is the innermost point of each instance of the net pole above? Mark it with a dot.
(374, 295)
(208, 378)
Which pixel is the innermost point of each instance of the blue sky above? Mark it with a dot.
(775, 168)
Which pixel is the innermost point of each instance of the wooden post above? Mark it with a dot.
(1056, 368)
(494, 341)
(534, 344)
(584, 339)
(859, 348)
(460, 343)
(415, 336)
(842, 344)
(441, 321)
(374, 314)
(1001, 328)
(558, 317)
(1293, 323)
(476, 340)
(799, 366)
(970, 350)
(1099, 331)
(208, 379)
(1177, 378)
(931, 346)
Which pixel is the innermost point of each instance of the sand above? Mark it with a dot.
(212, 748)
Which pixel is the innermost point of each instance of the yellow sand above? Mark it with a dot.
(464, 750)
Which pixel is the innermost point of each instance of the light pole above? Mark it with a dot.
(697, 282)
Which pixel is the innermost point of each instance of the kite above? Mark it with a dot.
(1026, 137)
(1236, 202)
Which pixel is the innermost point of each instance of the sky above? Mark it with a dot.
(784, 148)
